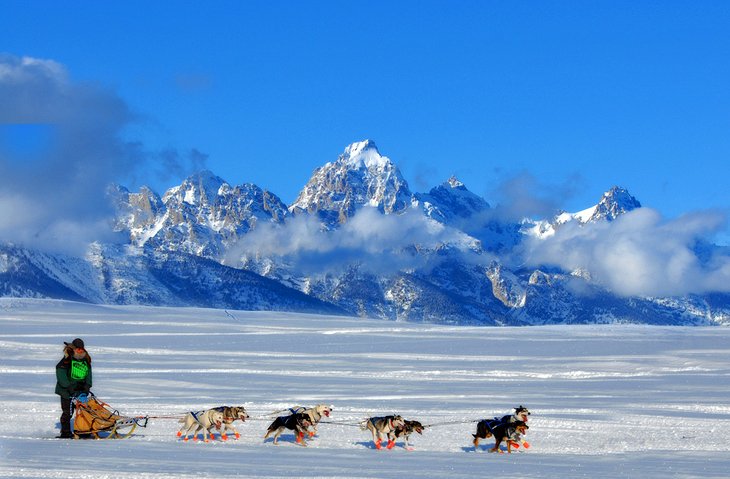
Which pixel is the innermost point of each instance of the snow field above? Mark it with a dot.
(607, 401)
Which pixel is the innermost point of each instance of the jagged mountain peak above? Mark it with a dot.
(364, 155)
(361, 151)
(203, 215)
(205, 178)
(450, 201)
(615, 202)
(618, 197)
(360, 176)
(199, 188)
(454, 183)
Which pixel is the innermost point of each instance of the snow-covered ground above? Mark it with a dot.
(606, 401)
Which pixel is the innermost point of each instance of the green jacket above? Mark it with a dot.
(73, 376)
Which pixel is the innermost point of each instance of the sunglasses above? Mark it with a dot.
(79, 350)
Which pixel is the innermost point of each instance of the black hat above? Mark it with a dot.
(76, 343)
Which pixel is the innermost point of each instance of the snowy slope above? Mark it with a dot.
(607, 401)
(126, 275)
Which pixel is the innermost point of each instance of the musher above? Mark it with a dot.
(73, 377)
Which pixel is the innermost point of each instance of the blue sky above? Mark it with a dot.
(570, 97)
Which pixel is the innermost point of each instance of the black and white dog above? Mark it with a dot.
(315, 414)
(298, 422)
(510, 428)
(408, 428)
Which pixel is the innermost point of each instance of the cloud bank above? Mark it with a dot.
(525, 196)
(52, 194)
(641, 254)
(377, 243)
(61, 145)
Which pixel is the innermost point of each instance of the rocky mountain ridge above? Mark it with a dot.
(435, 257)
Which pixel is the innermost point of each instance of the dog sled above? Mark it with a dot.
(95, 418)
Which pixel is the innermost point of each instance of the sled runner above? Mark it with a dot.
(97, 419)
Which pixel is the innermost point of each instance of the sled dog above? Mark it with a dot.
(315, 415)
(383, 426)
(231, 414)
(501, 430)
(298, 422)
(205, 420)
(408, 428)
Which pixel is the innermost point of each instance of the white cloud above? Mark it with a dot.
(54, 198)
(526, 196)
(378, 243)
(640, 254)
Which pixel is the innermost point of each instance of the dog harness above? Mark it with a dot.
(195, 416)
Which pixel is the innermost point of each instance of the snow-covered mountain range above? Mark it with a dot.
(356, 241)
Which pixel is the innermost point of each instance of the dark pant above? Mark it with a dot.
(65, 416)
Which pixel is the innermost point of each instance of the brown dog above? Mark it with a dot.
(231, 414)
(383, 426)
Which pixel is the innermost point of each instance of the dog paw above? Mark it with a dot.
(224, 437)
(238, 436)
